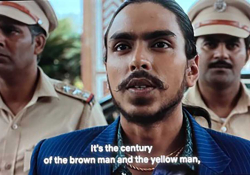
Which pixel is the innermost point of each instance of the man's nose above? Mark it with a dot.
(140, 60)
(221, 52)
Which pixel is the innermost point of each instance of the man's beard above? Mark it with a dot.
(147, 119)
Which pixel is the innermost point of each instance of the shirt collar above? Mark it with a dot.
(44, 88)
(244, 101)
(193, 97)
(121, 166)
(187, 152)
(3, 105)
(188, 149)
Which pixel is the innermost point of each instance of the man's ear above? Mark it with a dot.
(39, 42)
(105, 64)
(192, 71)
(248, 55)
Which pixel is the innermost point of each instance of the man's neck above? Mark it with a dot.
(17, 89)
(223, 101)
(165, 136)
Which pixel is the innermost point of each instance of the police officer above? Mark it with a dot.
(222, 29)
(33, 106)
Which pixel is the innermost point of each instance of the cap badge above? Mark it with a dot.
(220, 6)
(40, 22)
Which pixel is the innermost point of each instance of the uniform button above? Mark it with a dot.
(224, 129)
(14, 126)
(7, 166)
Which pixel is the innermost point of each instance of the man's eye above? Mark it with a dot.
(163, 45)
(10, 31)
(232, 46)
(211, 45)
(122, 47)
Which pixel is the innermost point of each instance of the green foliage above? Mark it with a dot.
(62, 53)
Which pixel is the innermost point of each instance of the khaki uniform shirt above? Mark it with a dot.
(54, 109)
(238, 121)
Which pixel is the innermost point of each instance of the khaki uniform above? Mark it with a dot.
(238, 121)
(55, 108)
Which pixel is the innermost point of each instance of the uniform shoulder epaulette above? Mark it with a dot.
(74, 92)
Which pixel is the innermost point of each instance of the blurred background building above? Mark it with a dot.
(74, 52)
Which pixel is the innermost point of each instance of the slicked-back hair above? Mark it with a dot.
(181, 17)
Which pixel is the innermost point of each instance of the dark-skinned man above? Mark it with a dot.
(222, 31)
(33, 106)
(151, 58)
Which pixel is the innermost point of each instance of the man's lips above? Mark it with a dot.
(140, 84)
(141, 91)
(3, 55)
(3, 58)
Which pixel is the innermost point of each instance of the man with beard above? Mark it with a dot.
(32, 105)
(222, 31)
(150, 60)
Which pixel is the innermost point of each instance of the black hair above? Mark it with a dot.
(182, 20)
(247, 42)
(36, 30)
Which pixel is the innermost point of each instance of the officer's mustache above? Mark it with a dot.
(141, 74)
(220, 64)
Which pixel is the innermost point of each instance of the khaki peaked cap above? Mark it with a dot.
(231, 17)
(31, 12)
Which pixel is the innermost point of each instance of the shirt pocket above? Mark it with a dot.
(27, 158)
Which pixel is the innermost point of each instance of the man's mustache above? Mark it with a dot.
(141, 74)
(220, 64)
